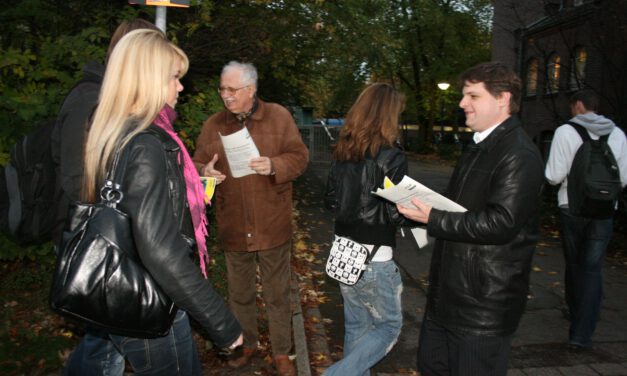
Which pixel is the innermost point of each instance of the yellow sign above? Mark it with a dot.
(162, 3)
(209, 184)
(387, 183)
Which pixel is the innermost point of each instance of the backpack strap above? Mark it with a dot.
(583, 133)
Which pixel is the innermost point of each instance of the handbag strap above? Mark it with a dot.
(111, 192)
(371, 254)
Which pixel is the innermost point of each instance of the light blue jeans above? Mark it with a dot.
(101, 354)
(372, 319)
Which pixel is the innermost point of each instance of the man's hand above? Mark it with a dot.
(419, 214)
(261, 165)
(210, 171)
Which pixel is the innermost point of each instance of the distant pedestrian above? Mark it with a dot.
(584, 239)
(479, 276)
(364, 155)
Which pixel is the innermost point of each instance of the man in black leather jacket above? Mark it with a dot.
(481, 262)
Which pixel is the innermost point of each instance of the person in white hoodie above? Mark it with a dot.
(584, 239)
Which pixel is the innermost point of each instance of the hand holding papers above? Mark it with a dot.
(239, 148)
(408, 189)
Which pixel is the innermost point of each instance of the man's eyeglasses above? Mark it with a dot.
(230, 90)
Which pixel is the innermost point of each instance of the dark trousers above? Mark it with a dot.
(275, 273)
(584, 241)
(442, 352)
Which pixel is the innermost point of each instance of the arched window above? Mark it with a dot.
(553, 74)
(531, 79)
(578, 69)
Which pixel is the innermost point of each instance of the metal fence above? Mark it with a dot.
(318, 139)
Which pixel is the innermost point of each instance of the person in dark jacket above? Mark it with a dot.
(163, 197)
(68, 138)
(68, 135)
(479, 276)
(364, 155)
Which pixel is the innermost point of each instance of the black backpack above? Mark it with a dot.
(594, 184)
(28, 185)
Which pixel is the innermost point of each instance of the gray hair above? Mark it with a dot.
(249, 72)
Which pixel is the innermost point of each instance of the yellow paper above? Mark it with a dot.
(387, 183)
(209, 184)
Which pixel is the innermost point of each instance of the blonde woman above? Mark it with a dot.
(163, 197)
(364, 155)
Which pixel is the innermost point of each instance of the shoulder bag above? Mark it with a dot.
(99, 278)
(348, 260)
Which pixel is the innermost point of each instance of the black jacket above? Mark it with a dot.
(359, 214)
(481, 261)
(68, 138)
(156, 201)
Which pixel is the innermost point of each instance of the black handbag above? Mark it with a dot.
(99, 278)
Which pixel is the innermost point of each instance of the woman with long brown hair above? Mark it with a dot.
(364, 155)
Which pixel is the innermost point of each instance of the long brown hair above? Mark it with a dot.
(372, 122)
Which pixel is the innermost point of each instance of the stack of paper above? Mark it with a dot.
(408, 188)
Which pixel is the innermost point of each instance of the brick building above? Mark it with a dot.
(558, 47)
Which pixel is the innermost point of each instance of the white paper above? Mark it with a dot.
(240, 149)
(408, 188)
(420, 234)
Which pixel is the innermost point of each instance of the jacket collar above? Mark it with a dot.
(258, 115)
(499, 132)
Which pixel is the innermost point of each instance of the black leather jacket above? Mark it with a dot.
(359, 214)
(155, 199)
(481, 261)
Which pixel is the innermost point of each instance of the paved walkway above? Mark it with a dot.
(539, 344)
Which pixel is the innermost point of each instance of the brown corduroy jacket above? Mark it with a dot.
(254, 212)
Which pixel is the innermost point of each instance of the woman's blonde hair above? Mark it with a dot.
(135, 88)
(372, 122)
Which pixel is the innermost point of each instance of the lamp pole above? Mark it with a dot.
(443, 86)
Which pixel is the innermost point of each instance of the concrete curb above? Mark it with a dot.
(298, 330)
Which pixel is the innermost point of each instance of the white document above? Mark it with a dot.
(408, 188)
(240, 149)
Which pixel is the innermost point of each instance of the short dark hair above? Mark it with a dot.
(497, 78)
(587, 97)
(126, 27)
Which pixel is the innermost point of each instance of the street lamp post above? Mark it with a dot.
(443, 86)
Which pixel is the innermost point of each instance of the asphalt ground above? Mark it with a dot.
(538, 347)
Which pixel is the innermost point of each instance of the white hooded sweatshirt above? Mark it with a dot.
(567, 141)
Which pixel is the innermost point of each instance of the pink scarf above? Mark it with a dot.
(195, 191)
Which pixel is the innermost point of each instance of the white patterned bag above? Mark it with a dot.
(347, 260)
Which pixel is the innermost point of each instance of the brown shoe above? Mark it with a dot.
(284, 365)
(243, 359)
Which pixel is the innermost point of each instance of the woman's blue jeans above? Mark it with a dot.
(584, 241)
(100, 354)
(372, 319)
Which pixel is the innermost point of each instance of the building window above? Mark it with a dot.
(531, 81)
(578, 69)
(553, 74)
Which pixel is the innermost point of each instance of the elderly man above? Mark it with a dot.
(481, 261)
(254, 212)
